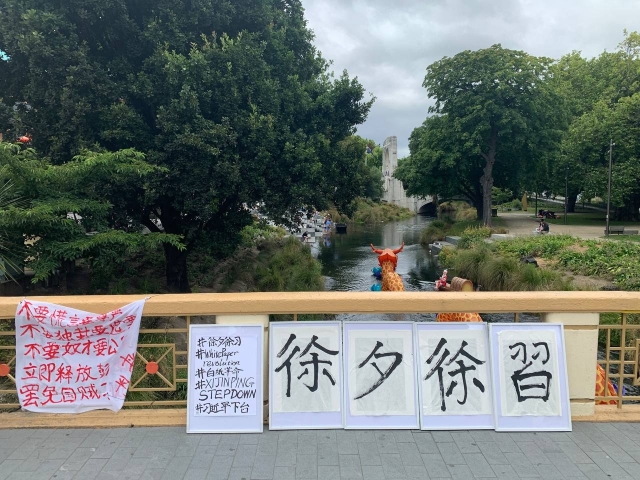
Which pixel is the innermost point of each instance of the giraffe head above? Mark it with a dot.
(387, 255)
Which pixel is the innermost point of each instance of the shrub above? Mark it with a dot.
(473, 235)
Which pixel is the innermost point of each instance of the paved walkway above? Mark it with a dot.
(519, 223)
(592, 450)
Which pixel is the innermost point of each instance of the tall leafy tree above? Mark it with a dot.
(230, 97)
(496, 114)
(602, 93)
(54, 214)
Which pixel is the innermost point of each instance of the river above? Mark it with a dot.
(347, 261)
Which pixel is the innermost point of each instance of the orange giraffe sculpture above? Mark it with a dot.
(441, 285)
(388, 260)
(600, 390)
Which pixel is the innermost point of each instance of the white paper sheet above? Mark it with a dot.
(299, 391)
(394, 394)
(478, 392)
(529, 374)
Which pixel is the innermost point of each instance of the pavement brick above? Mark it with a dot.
(284, 473)
(435, 465)
(328, 454)
(220, 468)
(370, 455)
(504, 472)
(347, 442)
(425, 442)
(465, 442)
(392, 465)
(263, 467)
(306, 466)
(523, 467)
(373, 472)
(416, 471)
(327, 436)
(245, 456)
(451, 454)
(386, 442)
(403, 436)
(479, 465)
(91, 468)
(196, 474)
(410, 454)
(329, 472)
(349, 467)
(462, 472)
(591, 451)
(239, 473)
(442, 437)
(607, 464)
(492, 453)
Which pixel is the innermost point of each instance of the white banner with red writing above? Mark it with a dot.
(70, 361)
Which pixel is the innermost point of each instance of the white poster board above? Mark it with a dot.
(225, 378)
(454, 376)
(380, 375)
(305, 375)
(530, 377)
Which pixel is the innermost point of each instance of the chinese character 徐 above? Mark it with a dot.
(461, 371)
(314, 362)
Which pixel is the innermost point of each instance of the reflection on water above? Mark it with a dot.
(347, 261)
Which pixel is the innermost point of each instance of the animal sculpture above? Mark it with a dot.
(442, 285)
(388, 260)
(600, 390)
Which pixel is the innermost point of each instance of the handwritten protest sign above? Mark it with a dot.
(225, 378)
(70, 361)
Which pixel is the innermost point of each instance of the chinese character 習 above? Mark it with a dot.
(526, 390)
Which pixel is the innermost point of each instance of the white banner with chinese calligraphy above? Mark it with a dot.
(380, 375)
(305, 375)
(530, 377)
(225, 378)
(70, 361)
(455, 376)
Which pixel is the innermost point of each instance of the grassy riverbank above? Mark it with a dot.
(498, 266)
(368, 211)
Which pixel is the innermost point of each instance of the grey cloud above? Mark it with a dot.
(389, 47)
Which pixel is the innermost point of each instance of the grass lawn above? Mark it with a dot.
(558, 208)
(591, 218)
(629, 238)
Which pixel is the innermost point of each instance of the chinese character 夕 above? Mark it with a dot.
(531, 381)
(314, 362)
(397, 360)
(461, 371)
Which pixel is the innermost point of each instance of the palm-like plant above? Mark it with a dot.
(8, 198)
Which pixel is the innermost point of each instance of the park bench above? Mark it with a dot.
(622, 230)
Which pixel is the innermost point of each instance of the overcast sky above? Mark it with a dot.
(389, 47)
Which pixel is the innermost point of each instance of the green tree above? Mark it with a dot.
(231, 98)
(496, 114)
(602, 95)
(54, 214)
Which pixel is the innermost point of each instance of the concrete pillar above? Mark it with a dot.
(581, 347)
(254, 320)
